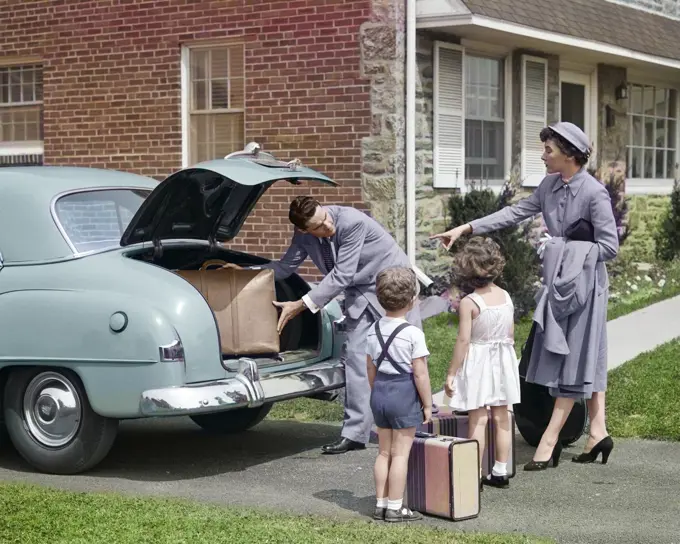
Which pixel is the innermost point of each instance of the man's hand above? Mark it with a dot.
(288, 311)
(232, 266)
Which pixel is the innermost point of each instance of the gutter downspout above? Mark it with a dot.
(410, 140)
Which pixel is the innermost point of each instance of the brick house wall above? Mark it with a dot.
(112, 96)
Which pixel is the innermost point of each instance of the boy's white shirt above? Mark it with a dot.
(408, 345)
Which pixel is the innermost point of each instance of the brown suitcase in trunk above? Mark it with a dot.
(242, 303)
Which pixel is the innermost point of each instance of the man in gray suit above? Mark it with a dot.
(350, 249)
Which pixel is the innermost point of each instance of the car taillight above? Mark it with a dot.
(172, 353)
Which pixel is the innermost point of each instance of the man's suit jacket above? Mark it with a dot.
(362, 249)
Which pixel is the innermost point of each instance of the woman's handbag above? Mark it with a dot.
(580, 230)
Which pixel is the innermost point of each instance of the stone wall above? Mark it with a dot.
(431, 204)
(612, 141)
(382, 40)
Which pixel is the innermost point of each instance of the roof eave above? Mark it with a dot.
(443, 21)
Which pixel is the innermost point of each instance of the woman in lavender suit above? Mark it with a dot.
(578, 367)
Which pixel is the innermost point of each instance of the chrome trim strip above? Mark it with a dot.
(245, 390)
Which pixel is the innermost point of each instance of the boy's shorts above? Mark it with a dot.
(395, 402)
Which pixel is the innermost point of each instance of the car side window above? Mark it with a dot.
(95, 220)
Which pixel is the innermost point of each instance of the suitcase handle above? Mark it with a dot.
(423, 434)
(212, 262)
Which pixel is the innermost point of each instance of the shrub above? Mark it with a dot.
(667, 235)
(520, 276)
(645, 214)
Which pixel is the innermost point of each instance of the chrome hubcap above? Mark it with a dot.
(52, 409)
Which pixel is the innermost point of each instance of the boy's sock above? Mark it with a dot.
(499, 469)
(394, 505)
(381, 502)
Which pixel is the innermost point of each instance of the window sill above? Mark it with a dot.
(533, 180)
(485, 183)
(649, 186)
(10, 149)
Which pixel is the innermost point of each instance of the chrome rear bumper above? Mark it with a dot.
(247, 389)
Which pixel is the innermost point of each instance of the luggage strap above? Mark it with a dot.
(384, 355)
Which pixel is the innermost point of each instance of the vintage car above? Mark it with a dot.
(96, 326)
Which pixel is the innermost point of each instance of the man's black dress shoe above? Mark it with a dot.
(343, 446)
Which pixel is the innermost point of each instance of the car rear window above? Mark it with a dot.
(95, 220)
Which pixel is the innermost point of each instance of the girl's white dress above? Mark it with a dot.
(489, 375)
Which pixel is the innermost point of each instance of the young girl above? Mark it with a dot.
(484, 368)
(400, 389)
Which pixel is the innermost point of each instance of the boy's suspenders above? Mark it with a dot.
(384, 355)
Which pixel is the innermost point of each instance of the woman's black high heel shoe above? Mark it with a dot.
(604, 446)
(542, 465)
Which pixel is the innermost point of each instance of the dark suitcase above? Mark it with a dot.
(443, 477)
(533, 413)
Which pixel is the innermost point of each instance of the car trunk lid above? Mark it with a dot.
(211, 200)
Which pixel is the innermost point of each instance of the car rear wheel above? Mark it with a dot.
(51, 423)
(232, 421)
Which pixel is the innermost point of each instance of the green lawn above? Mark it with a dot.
(633, 290)
(642, 395)
(34, 515)
(441, 331)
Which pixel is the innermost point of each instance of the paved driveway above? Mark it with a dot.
(633, 499)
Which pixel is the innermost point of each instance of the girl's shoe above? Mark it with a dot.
(496, 481)
(542, 465)
(403, 514)
(379, 514)
(604, 446)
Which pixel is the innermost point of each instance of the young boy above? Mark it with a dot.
(400, 389)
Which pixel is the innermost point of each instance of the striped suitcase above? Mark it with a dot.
(443, 478)
(456, 424)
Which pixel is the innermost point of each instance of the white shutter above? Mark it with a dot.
(534, 117)
(449, 116)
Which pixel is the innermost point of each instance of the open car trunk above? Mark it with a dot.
(300, 338)
(210, 202)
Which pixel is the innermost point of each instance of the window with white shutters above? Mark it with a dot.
(534, 117)
(484, 119)
(449, 116)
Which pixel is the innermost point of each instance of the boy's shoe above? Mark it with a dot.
(379, 514)
(403, 514)
(496, 481)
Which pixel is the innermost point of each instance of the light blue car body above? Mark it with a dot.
(105, 315)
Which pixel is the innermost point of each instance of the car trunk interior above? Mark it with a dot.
(301, 336)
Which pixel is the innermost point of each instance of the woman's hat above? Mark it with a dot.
(574, 135)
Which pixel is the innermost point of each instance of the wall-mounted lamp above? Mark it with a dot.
(622, 92)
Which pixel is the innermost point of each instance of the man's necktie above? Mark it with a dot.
(327, 253)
